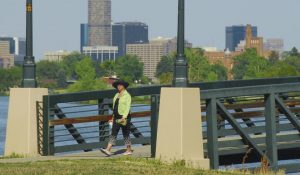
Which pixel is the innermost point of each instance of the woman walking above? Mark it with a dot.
(121, 117)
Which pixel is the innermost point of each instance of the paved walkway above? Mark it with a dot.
(139, 151)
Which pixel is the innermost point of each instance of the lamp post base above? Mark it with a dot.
(180, 73)
(29, 73)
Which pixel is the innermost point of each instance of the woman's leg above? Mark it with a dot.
(113, 136)
(126, 135)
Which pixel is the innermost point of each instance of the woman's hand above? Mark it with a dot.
(123, 119)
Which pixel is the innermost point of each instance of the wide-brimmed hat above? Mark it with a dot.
(122, 82)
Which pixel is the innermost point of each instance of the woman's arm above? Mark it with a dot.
(127, 105)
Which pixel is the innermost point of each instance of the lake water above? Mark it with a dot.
(3, 118)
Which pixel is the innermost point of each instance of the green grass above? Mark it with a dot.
(119, 166)
(13, 155)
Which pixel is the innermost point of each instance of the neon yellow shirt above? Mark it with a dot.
(124, 103)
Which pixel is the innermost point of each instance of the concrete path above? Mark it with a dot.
(138, 151)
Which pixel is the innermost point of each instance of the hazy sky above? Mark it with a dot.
(57, 22)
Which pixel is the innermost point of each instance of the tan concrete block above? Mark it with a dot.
(21, 131)
(179, 135)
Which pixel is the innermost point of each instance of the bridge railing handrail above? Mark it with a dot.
(151, 90)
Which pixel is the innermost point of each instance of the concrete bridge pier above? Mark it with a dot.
(21, 131)
(179, 133)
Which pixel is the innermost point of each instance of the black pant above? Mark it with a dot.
(125, 130)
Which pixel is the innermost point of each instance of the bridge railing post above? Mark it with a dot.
(154, 122)
(212, 133)
(103, 109)
(271, 143)
(48, 131)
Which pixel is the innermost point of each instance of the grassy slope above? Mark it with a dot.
(118, 166)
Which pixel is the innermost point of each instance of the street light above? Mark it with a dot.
(29, 74)
(180, 78)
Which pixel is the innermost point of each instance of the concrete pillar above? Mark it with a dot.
(179, 133)
(21, 131)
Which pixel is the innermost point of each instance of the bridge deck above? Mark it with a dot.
(139, 151)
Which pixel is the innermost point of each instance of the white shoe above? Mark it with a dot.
(127, 153)
(105, 151)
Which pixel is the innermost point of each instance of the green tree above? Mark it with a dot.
(248, 65)
(49, 73)
(274, 57)
(10, 78)
(69, 64)
(294, 52)
(129, 68)
(87, 80)
(166, 78)
(220, 71)
(199, 67)
(166, 65)
(280, 69)
(107, 68)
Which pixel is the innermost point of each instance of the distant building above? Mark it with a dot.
(56, 55)
(226, 57)
(210, 49)
(99, 23)
(101, 53)
(84, 36)
(172, 45)
(6, 58)
(274, 44)
(20, 50)
(17, 47)
(235, 34)
(129, 33)
(151, 54)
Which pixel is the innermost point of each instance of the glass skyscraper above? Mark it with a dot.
(235, 34)
(84, 36)
(129, 33)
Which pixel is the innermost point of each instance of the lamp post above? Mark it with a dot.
(180, 78)
(29, 73)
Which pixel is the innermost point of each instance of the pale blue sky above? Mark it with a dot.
(56, 22)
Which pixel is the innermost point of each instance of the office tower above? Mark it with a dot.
(99, 23)
(84, 36)
(20, 50)
(17, 47)
(11, 43)
(235, 34)
(129, 33)
(6, 58)
(150, 54)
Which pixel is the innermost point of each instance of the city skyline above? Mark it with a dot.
(59, 30)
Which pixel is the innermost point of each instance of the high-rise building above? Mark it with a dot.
(84, 36)
(11, 43)
(235, 34)
(274, 44)
(129, 33)
(99, 23)
(151, 53)
(20, 50)
(17, 47)
(6, 58)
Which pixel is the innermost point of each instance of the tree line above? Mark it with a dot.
(87, 74)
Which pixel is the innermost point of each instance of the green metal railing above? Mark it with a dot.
(259, 115)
